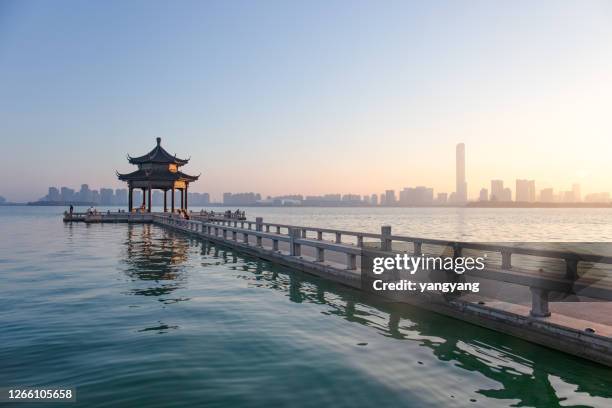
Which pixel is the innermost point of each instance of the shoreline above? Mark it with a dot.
(467, 206)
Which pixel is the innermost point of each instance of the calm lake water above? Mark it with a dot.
(140, 316)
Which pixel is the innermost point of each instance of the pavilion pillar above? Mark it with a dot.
(130, 199)
(149, 198)
(172, 198)
(144, 197)
(165, 206)
(182, 198)
(186, 186)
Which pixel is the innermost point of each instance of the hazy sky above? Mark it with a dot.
(307, 97)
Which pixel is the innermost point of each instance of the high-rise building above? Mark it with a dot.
(547, 195)
(121, 196)
(497, 190)
(567, 197)
(506, 195)
(374, 199)
(484, 195)
(442, 198)
(201, 199)
(106, 196)
(67, 194)
(416, 196)
(157, 198)
(85, 194)
(461, 184)
(525, 191)
(390, 197)
(53, 195)
(243, 198)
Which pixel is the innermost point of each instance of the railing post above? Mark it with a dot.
(338, 238)
(418, 248)
(320, 235)
(385, 243)
(351, 262)
(539, 303)
(234, 236)
(278, 230)
(304, 233)
(320, 255)
(294, 248)
(506, 260)
(457, 250)
(360, 241)
(245, 238)
(259, 228)
(571, 269)
(275, 245)
(224, 233)
(267, 227)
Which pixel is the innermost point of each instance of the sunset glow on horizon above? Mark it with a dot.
(307, 98)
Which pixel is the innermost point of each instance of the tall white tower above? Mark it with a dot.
(461, 187)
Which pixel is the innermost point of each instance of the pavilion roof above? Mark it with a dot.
(158, 155)
(156, 175)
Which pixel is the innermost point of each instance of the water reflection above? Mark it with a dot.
(526, 374)
(155, 258)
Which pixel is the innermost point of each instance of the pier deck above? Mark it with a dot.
(513, 300)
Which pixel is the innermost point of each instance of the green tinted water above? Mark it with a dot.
(140, 316)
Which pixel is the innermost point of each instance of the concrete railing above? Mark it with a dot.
(240, 232)
(387, 239)
(540, 284)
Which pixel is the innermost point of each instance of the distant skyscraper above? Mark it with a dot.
(484, 195)
(121, 196)
(389, 197)
(497, 190)
(67, 194)
(547, 195)
(374, 199)
(54, 194)
(525, 191)
(506, 195)
(461, 187)
(106, 196)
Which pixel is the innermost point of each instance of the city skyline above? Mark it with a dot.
(525, 192)
(326, 106)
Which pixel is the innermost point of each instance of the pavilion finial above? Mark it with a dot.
(158, 141)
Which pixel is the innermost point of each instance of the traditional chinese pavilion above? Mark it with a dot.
(158, 169)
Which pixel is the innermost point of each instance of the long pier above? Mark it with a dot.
(515, 297)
